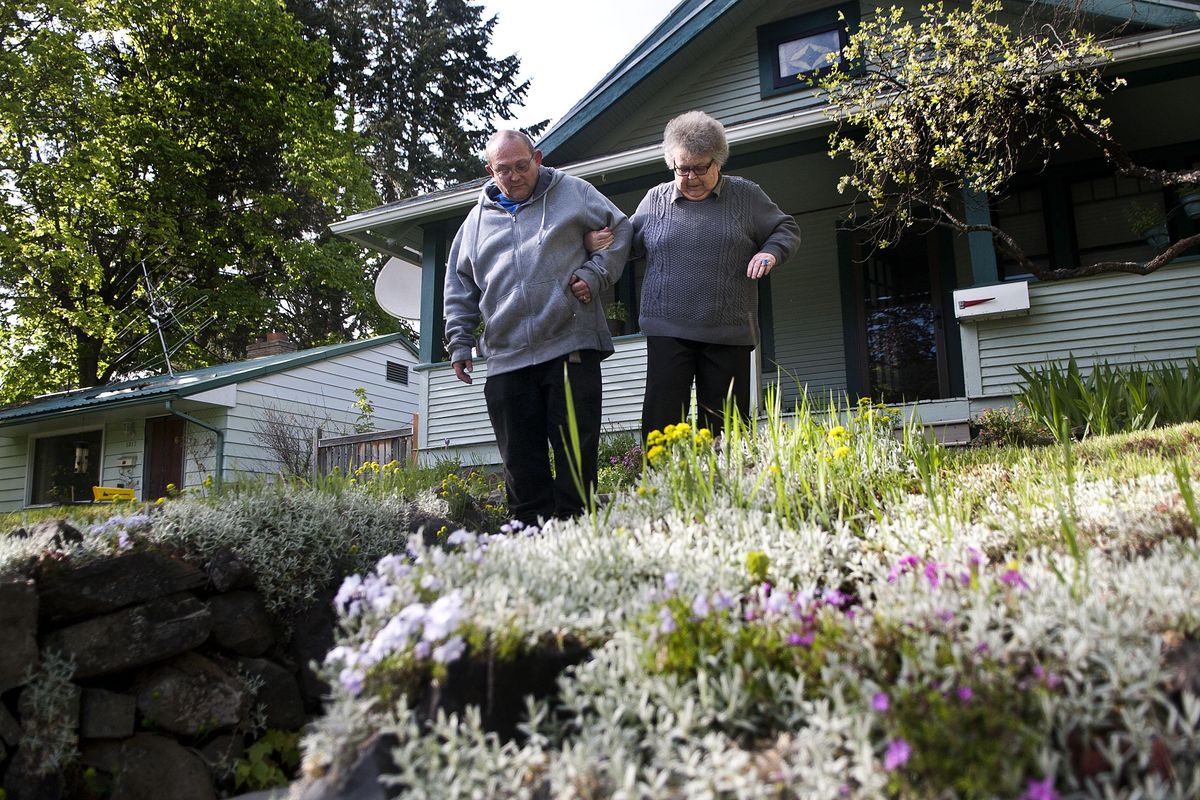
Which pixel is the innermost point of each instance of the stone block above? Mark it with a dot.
(10, 729)
(226, 571)
(133, 637)
(279, 694)
(190, 695)
(157, 767)
(240, 623)
(99, 587)
(101, 754)
(106, 715)
(18, 631)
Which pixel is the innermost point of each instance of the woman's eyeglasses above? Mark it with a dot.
(695, 169)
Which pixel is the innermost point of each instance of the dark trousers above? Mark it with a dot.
(672, 365)
(528, 409)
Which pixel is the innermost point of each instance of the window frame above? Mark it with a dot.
(31, 461)
(772, 35)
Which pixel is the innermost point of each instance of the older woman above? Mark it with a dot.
(707, 239)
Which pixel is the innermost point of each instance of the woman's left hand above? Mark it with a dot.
(760, 265)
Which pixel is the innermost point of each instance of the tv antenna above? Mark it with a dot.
(164, 315)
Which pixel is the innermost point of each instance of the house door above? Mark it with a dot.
(164, 456)
(898, 317)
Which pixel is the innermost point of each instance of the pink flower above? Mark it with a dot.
(965, 694)
(880, 702)
(1040, 790)
(897, 755)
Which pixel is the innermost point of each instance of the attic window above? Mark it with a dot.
(397, 373)
(791, 49)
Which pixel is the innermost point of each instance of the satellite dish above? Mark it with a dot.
(398, 289)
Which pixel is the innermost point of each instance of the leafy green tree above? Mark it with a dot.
(965, 98)
(415, 78)
(184, 141)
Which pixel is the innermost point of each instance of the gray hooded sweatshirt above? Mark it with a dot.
(515, 270)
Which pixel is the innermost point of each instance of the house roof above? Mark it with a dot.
(182, 384)
(392, 228)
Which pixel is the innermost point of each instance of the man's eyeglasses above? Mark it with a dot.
(695, 169)
(520, 166)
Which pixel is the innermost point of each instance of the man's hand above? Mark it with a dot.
(463, 370)
(580, 289)
(598, 240)
(760, 265)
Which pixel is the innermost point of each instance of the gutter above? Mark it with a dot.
(219, 454)
(747, 132)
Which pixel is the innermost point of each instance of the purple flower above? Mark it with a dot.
(797, 639)
(352, 680)
(700, 607)
(452, 650)
(671, 581)
(933, 574)
(965, 694)
(836, 598)
(880, 702)
(1040, 790)
(945, 615)
(722, 601)
(974, 556)
(897, 755)
(1013, 578)
(666, 621)
(902, 566)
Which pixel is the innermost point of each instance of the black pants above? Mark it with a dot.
(528, 409)
(671, 367)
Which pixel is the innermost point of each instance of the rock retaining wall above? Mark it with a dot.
(176, 666)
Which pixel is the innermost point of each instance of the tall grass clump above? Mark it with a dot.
(817, 464)
(1111, 398)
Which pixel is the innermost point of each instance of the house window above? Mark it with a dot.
(65, 468)
(1022, 215)
(792, 49)
(1079, 222)
(397, 373)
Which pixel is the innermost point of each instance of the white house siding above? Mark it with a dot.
(806, 300)
(14, 456)
(458, 424)
(123, 439)
(320, 394)
(1118, 318)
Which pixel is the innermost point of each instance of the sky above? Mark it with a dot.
(567, 46)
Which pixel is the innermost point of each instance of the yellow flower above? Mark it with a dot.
(653, 438)
(682, 428)
(704, 435)
(655, 453)
(160, 501)
(841, 452)
(773, 469)
(669, 431)
(838, 434)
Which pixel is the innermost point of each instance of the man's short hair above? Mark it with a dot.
(506, 136)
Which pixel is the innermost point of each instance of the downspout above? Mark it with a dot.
(219, 453)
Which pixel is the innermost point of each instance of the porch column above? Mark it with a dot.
(979, 245)
(433, 282)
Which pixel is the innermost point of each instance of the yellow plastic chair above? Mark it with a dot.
(107, 494)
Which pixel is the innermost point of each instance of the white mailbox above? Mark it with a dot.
(992, 302)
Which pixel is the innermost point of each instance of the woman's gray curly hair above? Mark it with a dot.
(698, 134)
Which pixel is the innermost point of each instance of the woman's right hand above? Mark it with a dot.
(598, 240)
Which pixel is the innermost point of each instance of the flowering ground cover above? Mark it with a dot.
(811, 608)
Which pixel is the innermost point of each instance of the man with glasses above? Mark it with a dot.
(708, 239)
(519, 263)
